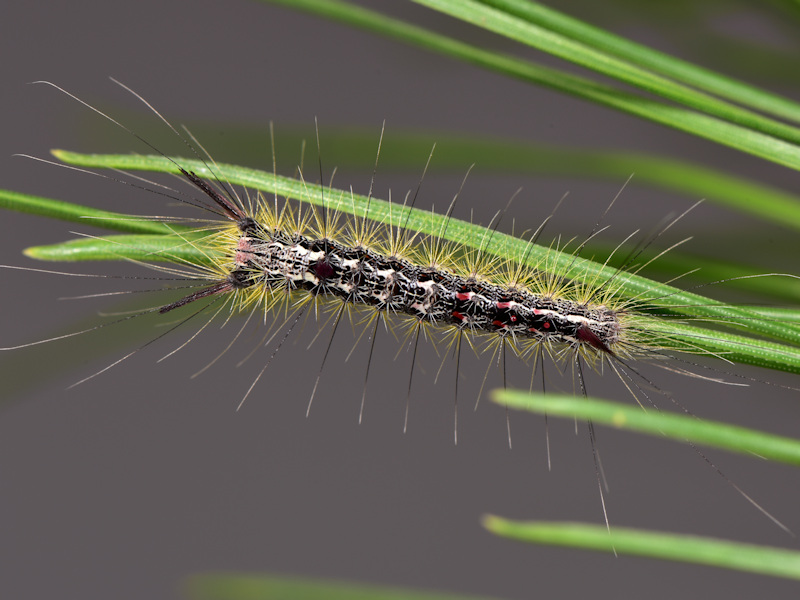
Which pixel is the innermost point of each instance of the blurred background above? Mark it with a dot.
(129, 483)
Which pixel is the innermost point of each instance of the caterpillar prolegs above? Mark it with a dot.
(423, 275)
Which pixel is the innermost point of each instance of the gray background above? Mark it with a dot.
(127, 484)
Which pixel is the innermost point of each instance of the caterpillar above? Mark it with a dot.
(272, 258)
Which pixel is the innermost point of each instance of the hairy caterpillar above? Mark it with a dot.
(275, 259)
